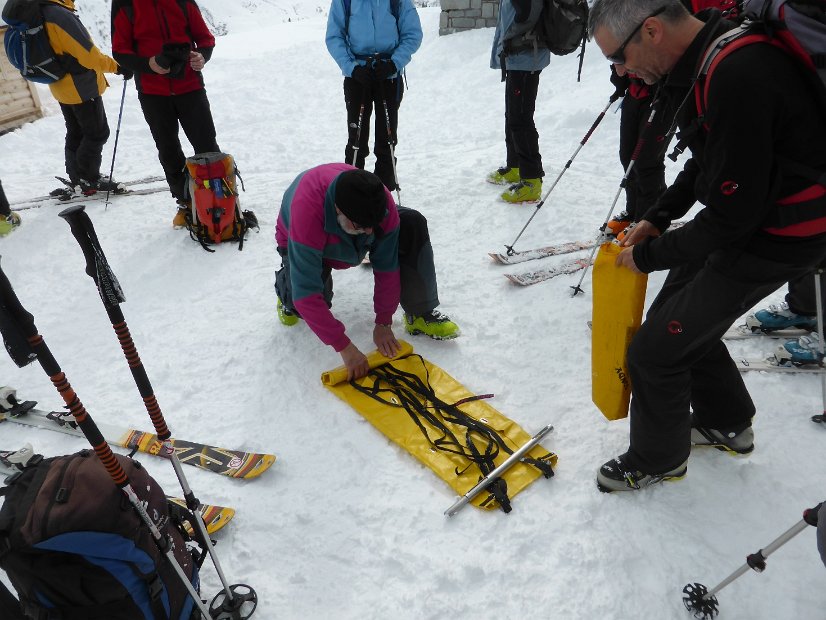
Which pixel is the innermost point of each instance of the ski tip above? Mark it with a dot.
(216, 517)
(252, 466)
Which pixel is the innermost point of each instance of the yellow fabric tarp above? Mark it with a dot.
(397, 425)
(619, 295)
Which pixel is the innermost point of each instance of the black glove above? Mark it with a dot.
(363, 75)
(620, 82)
(174, 57)
(384, 69)
(126, 73)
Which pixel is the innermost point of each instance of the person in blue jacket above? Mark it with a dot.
(521, 63)
(372, 42)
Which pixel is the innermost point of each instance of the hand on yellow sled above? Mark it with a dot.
(355, 361)
(385, 340)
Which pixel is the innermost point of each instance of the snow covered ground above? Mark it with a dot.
(345, 524)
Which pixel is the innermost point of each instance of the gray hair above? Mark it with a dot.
(620, 17)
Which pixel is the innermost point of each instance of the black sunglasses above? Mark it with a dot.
(618, 57)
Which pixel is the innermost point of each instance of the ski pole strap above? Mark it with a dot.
(97, 266)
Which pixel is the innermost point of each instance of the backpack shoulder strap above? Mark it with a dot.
(347, 16)
(721, 48)
(182, 4)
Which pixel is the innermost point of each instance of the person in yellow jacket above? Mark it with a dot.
(79, 95)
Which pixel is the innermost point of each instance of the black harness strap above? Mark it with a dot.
(482, 444)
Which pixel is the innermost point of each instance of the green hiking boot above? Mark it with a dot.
(527, 190)
(9, 223)
(434, 324)
(504, 176)
(285, 316)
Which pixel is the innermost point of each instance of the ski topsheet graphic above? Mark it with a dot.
(223, 461)
(540, 275)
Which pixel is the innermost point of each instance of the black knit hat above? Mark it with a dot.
(360, 196)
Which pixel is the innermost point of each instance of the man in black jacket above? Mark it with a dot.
(761, 113)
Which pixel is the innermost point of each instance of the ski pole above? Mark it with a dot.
(623, 184)
(512, 460)
(702, 602)
(112, 296)
(358, 131)
(611, 100)
(391, 144)
(23, 322)
(115, 149)
(821, 345)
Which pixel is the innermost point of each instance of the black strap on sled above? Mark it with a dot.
(481, 444)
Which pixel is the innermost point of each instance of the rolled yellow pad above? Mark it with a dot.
(396, 424)
(619, 296)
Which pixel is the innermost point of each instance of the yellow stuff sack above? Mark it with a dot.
(619, 296)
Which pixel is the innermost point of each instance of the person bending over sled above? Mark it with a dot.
(331, 217)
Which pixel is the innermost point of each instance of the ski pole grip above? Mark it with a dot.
(810, 515)
(96, 266)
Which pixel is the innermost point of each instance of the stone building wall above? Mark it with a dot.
(459, 15)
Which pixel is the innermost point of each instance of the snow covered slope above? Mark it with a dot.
(345, 525)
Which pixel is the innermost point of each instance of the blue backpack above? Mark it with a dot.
(27, 44)
(75, 549)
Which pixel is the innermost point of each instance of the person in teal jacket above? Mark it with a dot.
(372, 41)
(520, 65)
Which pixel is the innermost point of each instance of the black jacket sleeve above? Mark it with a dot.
(735, 167)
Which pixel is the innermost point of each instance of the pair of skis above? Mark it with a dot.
(770, 363)
(39, 201)
(546, 273)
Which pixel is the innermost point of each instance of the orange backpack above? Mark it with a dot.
(215, 212)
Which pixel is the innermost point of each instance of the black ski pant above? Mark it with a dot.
(5, 209)
(9, 606)
(521, 137)
(164, 114)
(419, 292)
(801, 296)
(678, 362)
(646, 181)
(87, 130)
(377, 94)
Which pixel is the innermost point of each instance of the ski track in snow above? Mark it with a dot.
(345, 524)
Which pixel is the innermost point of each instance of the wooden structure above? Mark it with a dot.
(19, 102)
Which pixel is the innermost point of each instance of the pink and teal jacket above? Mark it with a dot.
(307, 227)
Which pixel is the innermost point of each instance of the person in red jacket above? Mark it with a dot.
(167, 43)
